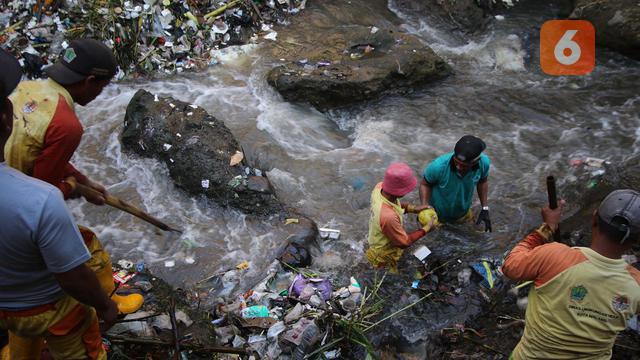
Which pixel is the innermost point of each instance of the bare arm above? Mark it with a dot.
(425, 192)
(483, 192)
(81, 284)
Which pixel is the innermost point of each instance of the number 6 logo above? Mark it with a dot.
(567, 47)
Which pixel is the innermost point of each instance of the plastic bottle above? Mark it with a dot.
(309, 338)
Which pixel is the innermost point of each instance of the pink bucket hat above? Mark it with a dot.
(399, 180)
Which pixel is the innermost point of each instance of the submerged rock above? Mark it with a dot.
(340, 53)
(197, 148)
(617, 23)
(577, 228)
(362, 63)
(465, 15)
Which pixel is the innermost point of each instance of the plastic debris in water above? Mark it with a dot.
(205, 183)
(122, 276)
(273, 35)
(189, 260)
(237, 181)
(169, 263)
(255, 311)
(422, 252)
(594, 162)
(166, 147)
(236, 158)
(291, 221)
(125, 264)
(327, 233)
(243, 265)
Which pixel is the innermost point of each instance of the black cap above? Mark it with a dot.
(82, 58)
(621, 210)
(469, 148)
(10, 75)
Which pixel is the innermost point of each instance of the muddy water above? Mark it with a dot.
(325, 165)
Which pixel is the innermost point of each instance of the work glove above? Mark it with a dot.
(484, 217)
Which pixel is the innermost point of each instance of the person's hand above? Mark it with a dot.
(108, 315)
(419, 208)
(95, 198)
(72, 182)
(552, 217)
(484, 217)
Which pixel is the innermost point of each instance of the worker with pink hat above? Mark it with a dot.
(387, 236)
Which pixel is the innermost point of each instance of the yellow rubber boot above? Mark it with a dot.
(127, 304)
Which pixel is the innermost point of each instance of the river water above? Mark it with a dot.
(326, 164)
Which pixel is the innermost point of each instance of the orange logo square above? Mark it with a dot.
(567, 47)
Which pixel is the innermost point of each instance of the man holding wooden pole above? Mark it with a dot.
(47, 132)
(582, 296)
(46, 290)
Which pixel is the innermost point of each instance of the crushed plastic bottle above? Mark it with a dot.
(309, 338)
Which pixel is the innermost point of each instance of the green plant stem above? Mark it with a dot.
(222, 9)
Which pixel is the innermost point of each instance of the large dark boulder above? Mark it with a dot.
(577, 227)
(337, 53)
(463, 15)
(197, 148)
(617, 23)
(349, 64)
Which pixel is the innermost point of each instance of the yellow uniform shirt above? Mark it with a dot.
(581, 299)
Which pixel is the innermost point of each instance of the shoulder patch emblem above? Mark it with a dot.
(578, 293)
(69, 55)
(620, 302)
(30, 107)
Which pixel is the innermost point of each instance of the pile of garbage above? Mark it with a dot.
(290, 312)
(147, 36)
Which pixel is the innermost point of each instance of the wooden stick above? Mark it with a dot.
(255, 8)
(174, 326)
(126, 207)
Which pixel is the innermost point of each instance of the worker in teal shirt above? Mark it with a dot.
(448, 182)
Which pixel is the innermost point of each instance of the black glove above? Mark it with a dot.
(484, 217)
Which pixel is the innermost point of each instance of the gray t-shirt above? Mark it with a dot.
(38, 237)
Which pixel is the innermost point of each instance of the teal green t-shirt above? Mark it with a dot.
(451, 194)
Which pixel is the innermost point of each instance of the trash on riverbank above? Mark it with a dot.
(147, 36)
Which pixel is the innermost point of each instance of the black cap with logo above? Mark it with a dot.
(469, 148)
(83, 58)
(11, 73)
(621, 210)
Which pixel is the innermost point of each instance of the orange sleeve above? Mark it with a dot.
(635, 274)
(534, 259)
(392, 228)
(60, 142)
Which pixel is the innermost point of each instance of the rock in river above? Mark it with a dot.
(197, 148)
(338, 53)
(617, 23)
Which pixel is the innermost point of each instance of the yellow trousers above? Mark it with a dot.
(27, 344)
(70, 329)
